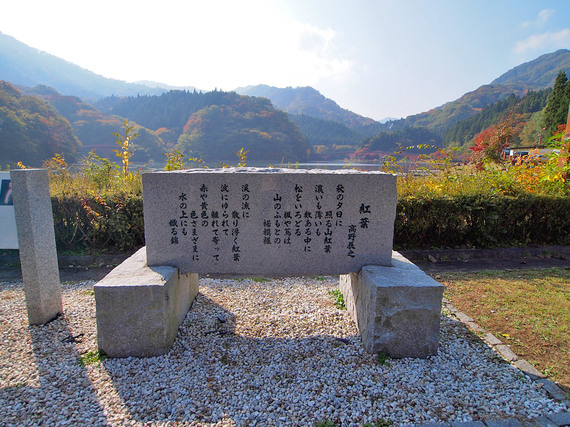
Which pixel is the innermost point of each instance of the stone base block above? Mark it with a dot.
(139, 308)
(397, 309)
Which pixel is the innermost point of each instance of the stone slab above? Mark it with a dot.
(505, 351)
(492, 340)
(508, 422)
(539, 422)
(397, 309)
(139, 308)
(36, 237)
(269, 221)
(467, 424)
(560, 418)
(554, 391)
(463, 317)
(528, 369)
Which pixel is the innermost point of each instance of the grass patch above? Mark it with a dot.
(92, 357)
(379, 423)
(338, 299)
(260, 279)
(383, 359)
(526, 309)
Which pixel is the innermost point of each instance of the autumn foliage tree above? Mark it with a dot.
(490, 143)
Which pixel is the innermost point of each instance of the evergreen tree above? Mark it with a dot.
(556, 109)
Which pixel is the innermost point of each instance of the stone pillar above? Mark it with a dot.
(36, 237)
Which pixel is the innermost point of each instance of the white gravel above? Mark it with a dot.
(249, 353)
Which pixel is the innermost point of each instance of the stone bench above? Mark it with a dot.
(270, 222)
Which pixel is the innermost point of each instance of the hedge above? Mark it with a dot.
(100, 224)
(481, 221)
(115, 223)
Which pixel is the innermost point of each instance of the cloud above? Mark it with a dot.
(543, 16)
(548, 40)
(319, 54)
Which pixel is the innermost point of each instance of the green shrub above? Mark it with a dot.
(481, 221)
(114, 222)
(101, 223)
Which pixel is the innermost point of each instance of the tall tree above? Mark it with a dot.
(556, 109)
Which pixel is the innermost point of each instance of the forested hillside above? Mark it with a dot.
(537, 74)
(310, 102)
(213, 125)
(31, 130)
(219, 131)
(388, 142)
(95, 129)
(169, 110)
(326, 138)
(463, 132)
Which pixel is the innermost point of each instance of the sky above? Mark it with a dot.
(374, 57)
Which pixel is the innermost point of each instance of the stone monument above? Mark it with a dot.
(270, 222)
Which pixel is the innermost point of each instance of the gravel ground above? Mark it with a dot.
(249, 353)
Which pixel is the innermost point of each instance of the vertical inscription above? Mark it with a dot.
(278, 221)
(299, 216)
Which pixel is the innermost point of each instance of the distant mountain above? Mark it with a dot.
(539, 73)
(307, 101)
(95, 129)
(23, 65)
(164, 86)
(322, 121)
(213, 125)
(31, 130)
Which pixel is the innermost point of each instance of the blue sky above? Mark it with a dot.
(376, 58)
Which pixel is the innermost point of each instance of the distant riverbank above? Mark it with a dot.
(330, 164)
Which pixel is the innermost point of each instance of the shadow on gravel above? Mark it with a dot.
(213, 374)
(65, 395)
(210, 366)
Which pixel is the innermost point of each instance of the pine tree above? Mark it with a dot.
(556, 109)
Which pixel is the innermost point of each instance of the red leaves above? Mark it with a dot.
(490, 143)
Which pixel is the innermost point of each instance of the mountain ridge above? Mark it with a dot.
(294, 101)
(24, 65)
(550, 65)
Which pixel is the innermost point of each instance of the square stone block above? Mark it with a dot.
(397, 309)
(139, 308)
